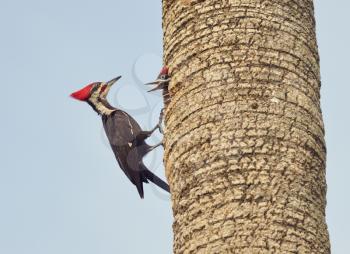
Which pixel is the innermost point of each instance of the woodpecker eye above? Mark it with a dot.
(163, 76)
(94, 88)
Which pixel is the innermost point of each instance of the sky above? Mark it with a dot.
(61, 190)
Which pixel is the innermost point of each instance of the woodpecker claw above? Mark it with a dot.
(155, 146)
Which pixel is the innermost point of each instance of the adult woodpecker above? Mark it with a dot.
(125, 136)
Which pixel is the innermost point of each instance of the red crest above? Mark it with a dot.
(83, 94)
(164, 71)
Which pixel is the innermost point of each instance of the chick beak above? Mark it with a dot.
(159, 84)
(158, 87)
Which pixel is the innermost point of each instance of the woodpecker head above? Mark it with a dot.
(95, 90)
(162, 80)
(95, 94)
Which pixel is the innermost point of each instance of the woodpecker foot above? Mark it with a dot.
(155, 146)
(146, 134)
(154, 128)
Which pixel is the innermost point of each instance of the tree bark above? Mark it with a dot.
(244, 136)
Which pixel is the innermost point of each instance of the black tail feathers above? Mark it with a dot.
(155, 179)
(139, 187)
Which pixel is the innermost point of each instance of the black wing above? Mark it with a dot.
(121, 131)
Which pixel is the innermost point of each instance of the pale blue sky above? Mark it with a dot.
(60, 188)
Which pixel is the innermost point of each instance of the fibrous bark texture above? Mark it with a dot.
(244, 140)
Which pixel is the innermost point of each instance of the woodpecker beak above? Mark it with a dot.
(158, 87)
(159, 84)
(158, 81)
(108, 86)
(111, 82)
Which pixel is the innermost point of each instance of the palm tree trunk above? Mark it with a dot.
(244, 141)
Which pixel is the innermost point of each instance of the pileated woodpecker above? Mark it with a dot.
(162, 83)
(125, 136)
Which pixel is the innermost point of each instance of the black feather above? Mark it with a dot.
(127, 141)
(155, 179)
